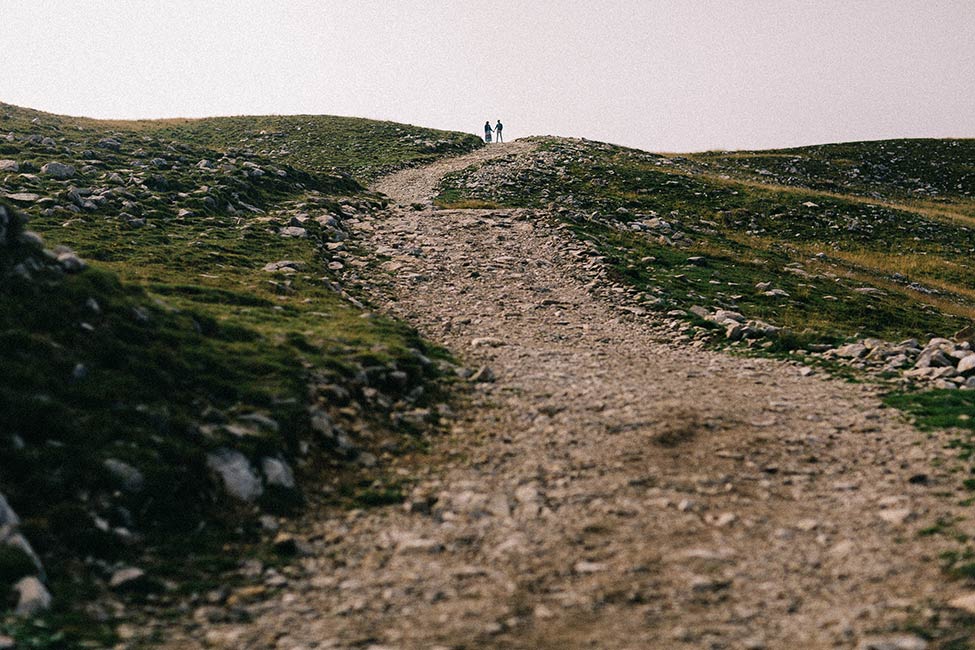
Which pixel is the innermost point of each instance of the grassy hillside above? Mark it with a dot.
(939, 173)
(210, 326)
(319, 144)
(711, 231)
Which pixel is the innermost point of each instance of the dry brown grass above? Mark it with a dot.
(468, 204)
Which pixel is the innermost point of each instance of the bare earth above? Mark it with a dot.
(610, 489)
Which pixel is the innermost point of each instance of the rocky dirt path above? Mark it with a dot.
(609, 489)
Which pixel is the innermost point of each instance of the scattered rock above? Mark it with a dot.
(58, 170)
(486, 341)
(23, 197)
(239, 478)
(287, 266)
(896, 516)
(285, 544)
(278, 472)
(128, 476)
(584, 566)
(71, 263)
(966, 365)
(893, 642)
(483, 375)
(33, 597)
(128, 579)
(293, 231)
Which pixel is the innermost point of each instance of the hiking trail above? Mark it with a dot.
(603, 487)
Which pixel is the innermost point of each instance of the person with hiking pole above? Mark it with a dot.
(497, 130)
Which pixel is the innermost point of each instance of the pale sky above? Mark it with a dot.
(664, 75)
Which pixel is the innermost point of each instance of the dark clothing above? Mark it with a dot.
(497, 129)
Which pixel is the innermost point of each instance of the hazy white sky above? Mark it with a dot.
(656, 74)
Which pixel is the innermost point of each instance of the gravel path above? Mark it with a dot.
(610, 489)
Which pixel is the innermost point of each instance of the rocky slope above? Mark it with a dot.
(199, 367)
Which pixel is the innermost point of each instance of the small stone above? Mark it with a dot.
(23, 197)
(293, 231)
(58, 170)
(109, 143)
(287, 266)
(129, 477)
(734, 332)
(966, 603)
(725, 519)
(71, 263)
(418, 546)
(588, 567)
(278, 472)
(851, 351)
(239, 478)
(34, 597)
(893, 642)
(127, 579)
(285, 544)
(486, 341)
(483, 375)
(7, 643)
(704, 585)
(896, 516)
(8, 165)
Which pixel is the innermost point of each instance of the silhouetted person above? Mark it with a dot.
(497, 130)
(487, 131)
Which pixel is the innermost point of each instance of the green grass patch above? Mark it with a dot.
(938, 408)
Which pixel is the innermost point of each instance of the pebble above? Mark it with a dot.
(893, 642)
(126, 578)
(896, 516)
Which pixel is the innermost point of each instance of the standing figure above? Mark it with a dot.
(487, 131)
(497, 129)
